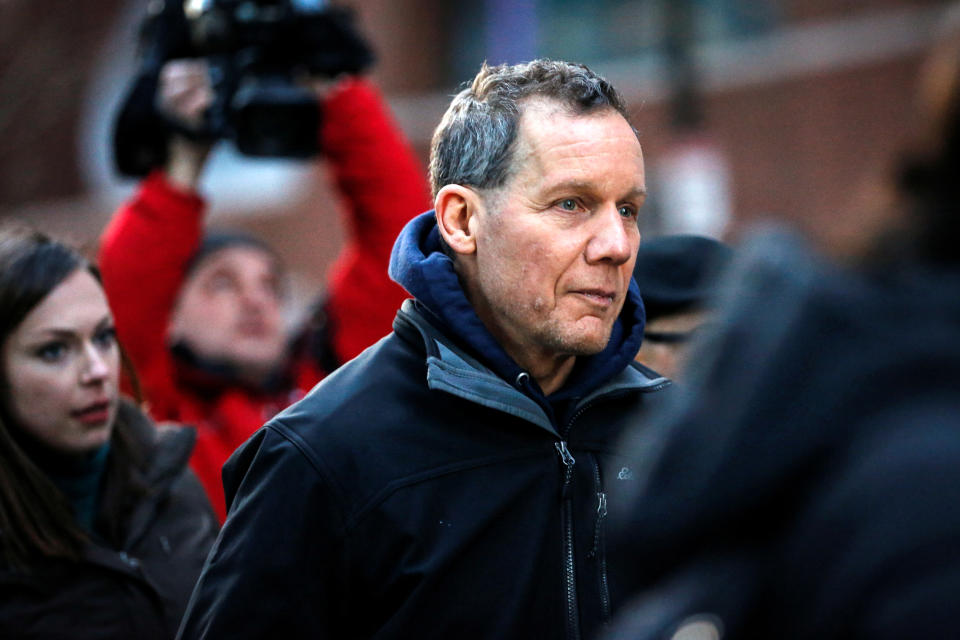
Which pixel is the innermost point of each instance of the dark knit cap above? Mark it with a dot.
(218, 240)
(677, 273)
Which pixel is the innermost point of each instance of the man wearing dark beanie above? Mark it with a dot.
(676, 275)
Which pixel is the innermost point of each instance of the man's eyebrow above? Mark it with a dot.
(221, 269)
(585, 185)
(571, 185)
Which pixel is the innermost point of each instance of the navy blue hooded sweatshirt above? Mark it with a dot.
(420, 266)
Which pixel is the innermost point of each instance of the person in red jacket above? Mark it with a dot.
(200, 316)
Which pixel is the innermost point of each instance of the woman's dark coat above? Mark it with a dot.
(137, 585)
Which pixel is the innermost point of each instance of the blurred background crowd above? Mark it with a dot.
(747, 110)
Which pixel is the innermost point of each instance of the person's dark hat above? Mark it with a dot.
(217, 240)
(678, 272)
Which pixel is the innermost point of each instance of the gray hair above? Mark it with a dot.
(474, 143)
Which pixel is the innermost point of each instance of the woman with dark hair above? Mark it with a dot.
(103, 529)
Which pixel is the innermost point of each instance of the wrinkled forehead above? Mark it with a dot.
(550, 134)
(541, 116)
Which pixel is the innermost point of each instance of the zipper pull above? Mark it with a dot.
(601, 514)
(568, 462)
(565, 456)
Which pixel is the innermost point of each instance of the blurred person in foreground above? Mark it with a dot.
(452, 481)
(103, 527)
(207, 336)
(806, 483)
(677, 277)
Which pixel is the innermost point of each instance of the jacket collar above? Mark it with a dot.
(453, 370)
(163, 453)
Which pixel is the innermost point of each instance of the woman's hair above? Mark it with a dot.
(35, 517)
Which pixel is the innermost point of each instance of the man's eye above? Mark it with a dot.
(273, 288)
(568, 204)
(220, 282)
(627, 212)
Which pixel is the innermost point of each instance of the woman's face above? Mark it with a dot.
(62, 367)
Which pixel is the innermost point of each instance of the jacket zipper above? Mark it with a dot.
(569, 564)
(599, 544)
(573, 610)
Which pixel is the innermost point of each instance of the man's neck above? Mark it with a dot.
(552, 375)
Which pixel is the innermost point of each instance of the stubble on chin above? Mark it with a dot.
(570, 338)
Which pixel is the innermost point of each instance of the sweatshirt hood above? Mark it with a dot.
(419, 265)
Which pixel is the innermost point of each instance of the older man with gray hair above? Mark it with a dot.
(453, 480)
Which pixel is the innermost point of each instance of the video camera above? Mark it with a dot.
(257, 51)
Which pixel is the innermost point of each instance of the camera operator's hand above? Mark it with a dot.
(184, 94)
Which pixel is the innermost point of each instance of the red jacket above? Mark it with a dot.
(146, 246)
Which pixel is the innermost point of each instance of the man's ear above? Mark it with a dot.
(457, 207)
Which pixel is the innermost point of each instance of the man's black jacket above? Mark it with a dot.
(414, 493)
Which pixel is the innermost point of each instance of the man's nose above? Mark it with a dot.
(613, 237)
(257, 297)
